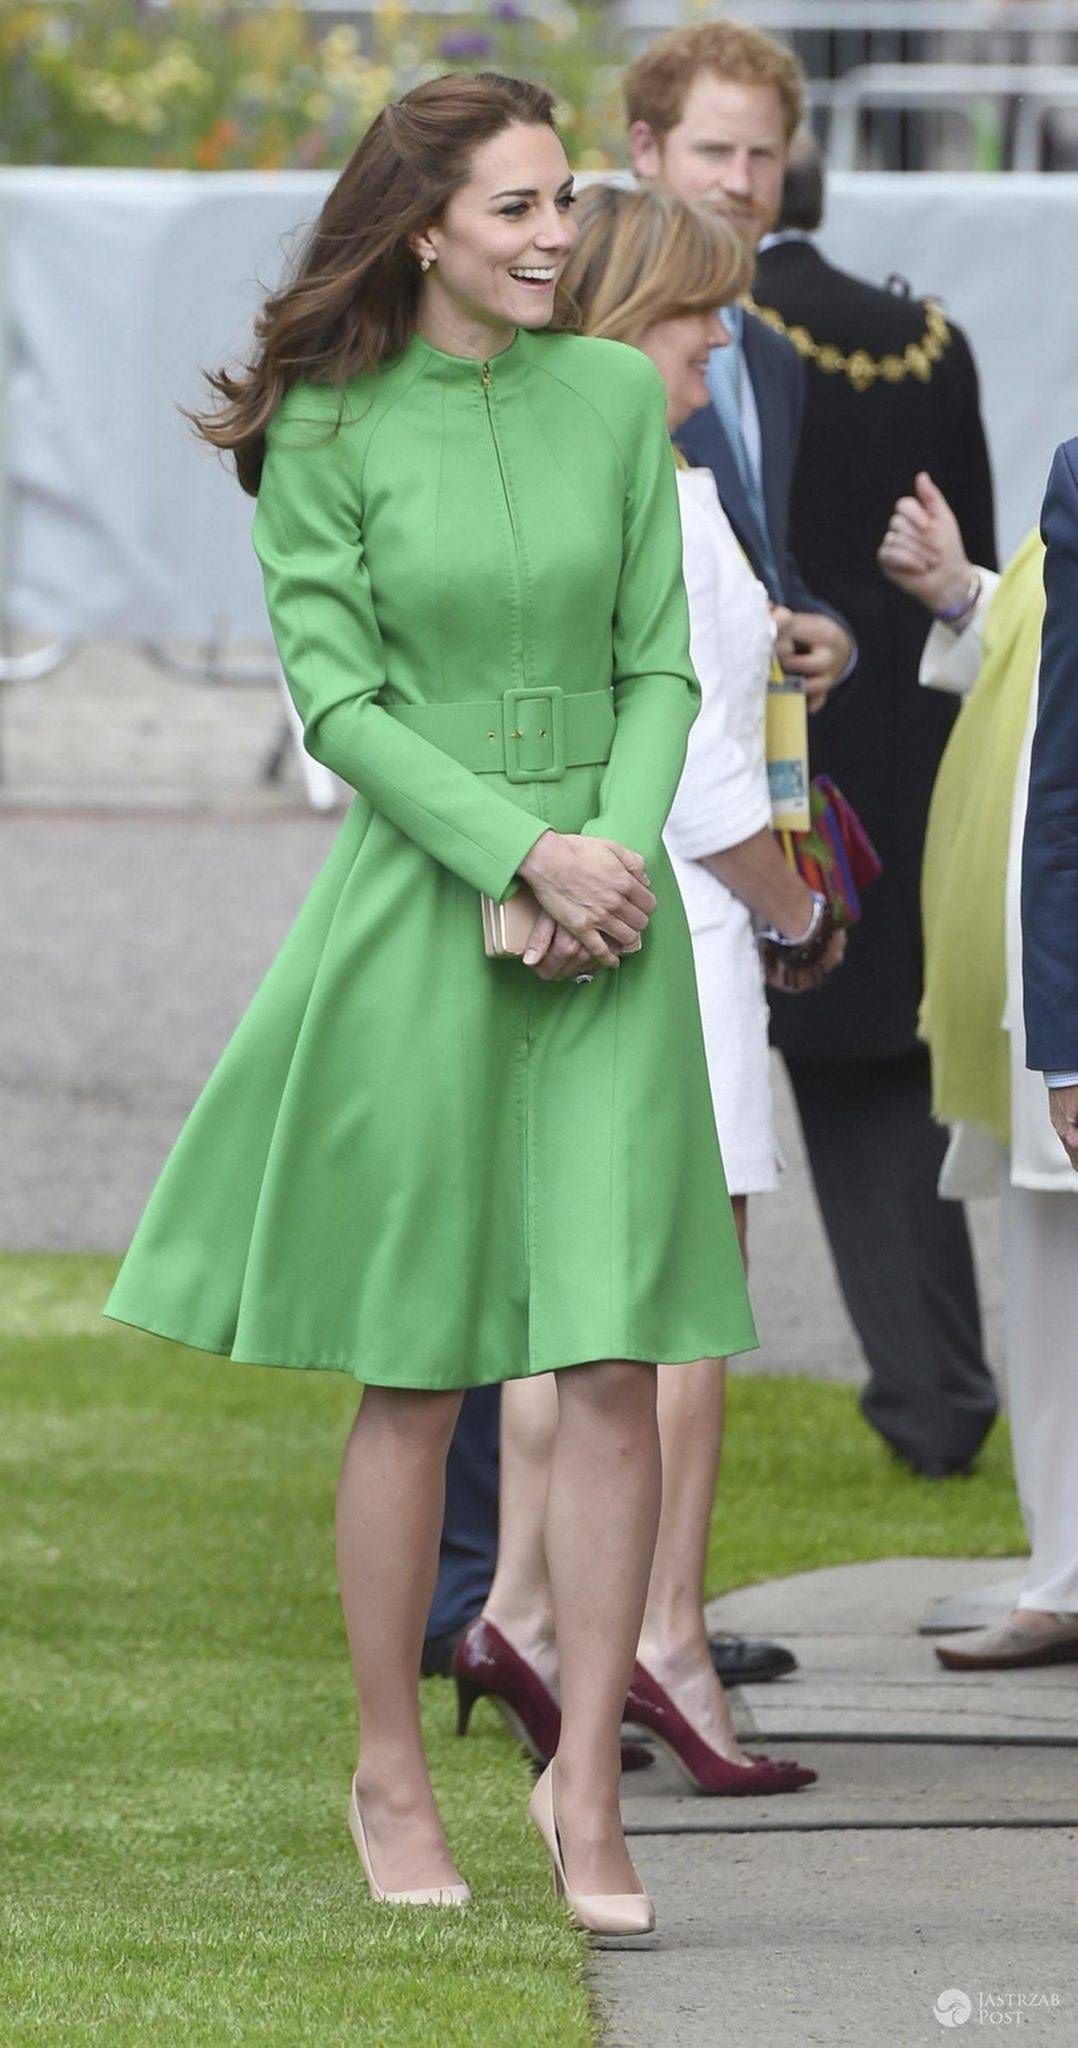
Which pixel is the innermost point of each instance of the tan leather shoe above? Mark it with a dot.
(1011, 1647)
(596, 1912)
(438, 1895)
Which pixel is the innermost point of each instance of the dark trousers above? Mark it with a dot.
(470, 1530)
(903, 1255)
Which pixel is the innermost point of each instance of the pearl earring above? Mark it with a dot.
(425, 262)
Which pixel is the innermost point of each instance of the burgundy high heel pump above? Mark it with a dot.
(486, 1666)
(650, 1706)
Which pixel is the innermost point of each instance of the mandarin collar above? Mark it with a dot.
(502, 369)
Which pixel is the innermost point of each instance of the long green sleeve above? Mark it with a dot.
(308, 537)
(656, 693)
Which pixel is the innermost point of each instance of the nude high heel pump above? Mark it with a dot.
(440, 1895)
(597, 1912)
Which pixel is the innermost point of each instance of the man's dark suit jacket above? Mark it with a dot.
(778, 383)
(1050, 852)
(900, 395)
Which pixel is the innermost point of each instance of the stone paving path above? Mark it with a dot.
(913, 1867)
(865, 1669)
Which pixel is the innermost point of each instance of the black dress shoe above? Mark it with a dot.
(934, 1468)
(437, 1658)
(745, 1660)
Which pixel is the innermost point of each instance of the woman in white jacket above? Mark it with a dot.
(719, 837)
(650, 270)
(984, 646)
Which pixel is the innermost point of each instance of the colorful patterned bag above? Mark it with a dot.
(835, 856)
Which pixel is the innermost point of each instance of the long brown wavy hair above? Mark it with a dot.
(352, 299)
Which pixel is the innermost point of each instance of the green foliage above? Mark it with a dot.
(200, 85)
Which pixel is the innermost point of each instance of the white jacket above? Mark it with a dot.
(723, 798)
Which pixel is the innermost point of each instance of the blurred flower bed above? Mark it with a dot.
(200, 85)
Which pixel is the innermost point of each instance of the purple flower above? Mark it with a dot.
(507, 10)
(466, 42)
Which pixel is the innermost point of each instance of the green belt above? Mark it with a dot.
(527, 735)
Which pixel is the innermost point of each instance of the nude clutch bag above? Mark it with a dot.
(507, 926)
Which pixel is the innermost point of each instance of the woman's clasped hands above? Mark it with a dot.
(595, 899)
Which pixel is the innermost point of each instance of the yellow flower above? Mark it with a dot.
(177, 71)
(347, 75)
(103, 96)
(341, 43)
(379, 85)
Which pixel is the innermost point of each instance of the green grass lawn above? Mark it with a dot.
(175, 1704)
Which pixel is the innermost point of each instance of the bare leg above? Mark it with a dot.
(673, 1642)
(602, 1515)
(389, 1516)
(673, 1639)
(520, 1602)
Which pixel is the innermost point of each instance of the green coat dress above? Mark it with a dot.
(411, 1163)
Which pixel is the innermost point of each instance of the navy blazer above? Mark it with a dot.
(1050, 852)
(778, 383)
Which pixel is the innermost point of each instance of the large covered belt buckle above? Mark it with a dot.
(533, 734)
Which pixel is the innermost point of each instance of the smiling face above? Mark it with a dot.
(679, 347)
(500, 246)
(728, 151)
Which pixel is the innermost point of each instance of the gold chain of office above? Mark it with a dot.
(863, 370)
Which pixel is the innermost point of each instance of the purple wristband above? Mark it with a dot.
(958, 611)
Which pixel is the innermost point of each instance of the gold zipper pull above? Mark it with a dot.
(486, 376)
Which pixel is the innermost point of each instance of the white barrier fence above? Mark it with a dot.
(118, 286)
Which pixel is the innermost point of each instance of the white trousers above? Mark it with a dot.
(1040, 1275)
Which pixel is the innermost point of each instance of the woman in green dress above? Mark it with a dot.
(413, 1163)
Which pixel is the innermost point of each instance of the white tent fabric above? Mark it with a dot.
(120, 285)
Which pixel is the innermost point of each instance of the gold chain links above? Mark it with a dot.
(861, 369)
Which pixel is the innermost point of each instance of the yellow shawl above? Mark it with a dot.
(964, 880)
